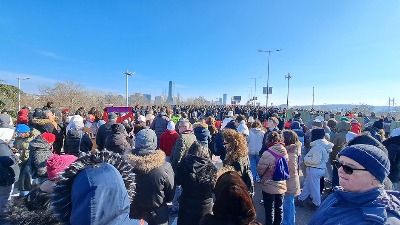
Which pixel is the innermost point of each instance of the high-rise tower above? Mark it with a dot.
(170, 98)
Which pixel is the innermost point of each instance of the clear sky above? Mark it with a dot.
(348, 50)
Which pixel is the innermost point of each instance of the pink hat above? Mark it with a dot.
(57, 164)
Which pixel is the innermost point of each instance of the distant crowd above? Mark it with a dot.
(130, 165)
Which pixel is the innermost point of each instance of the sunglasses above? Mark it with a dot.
(347, 169)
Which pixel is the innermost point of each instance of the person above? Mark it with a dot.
(154, 178)
(118, 140)
(355, 126)
(228, 119)
(197, 175)
(339, 142)
(168, 139)
(200, 130)
(293, 148)
(104, 130)
(9, 169)
(159, 124)
(315, 160)
(77, 140)
(47, 123)
(219, 146)
(392, 144)
(96, 189)
(233, 205)
(241, 125)
(272, 191)
(21, 143)
(272, 125)
(360, 198)
(254, 143)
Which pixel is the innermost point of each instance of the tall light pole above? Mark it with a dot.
(269, 54)
(19, 90)
(255, 88)
(127, 73)
(287, 98)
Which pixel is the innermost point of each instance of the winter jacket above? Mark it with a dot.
(22, 144)
(242, 128)
(39, 151)
(167, 141)
(293, 184)
(181, 147)
(159, 124)
(77, 141)
(154, 186)
(375, 206)
(102, 134)
(266, 168)
(50, 126)
(197, 176)
(318, 155)
(118, 141)
(255, 140)
(339, 139)
(393, 146)
(9, 169)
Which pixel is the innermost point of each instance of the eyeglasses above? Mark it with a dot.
(347, 169)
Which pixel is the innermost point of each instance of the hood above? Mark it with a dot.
(118, 142)
(194, 163)
(6, 134)
(256, 130)
(343, 126)
(323, 143)
(39, 144)
(40, 121)
(392, 141)
(75, 133)
(146, 163)
(145, 142)
(278, 149)
(202, 134)
(82, 197)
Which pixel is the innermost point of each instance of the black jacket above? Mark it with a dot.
(77, 141)
(393, 146)
(9, 169)
(39, 152)
(45, 125)
(102, 133)
(197, 176)
(118, 140)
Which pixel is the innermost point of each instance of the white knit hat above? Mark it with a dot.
(171, 125)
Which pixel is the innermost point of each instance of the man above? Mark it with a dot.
(104, 130)
(272, 125)
(360, 198)
(228, 119)
(159, 124)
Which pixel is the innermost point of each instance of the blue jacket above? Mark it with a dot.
(376, 206)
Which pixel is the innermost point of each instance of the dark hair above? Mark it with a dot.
(274, 137)
(239, 118)
(199, 150)
(290, 137)
(256, 124)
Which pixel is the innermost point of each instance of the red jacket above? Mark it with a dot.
(167, 141)
(356, 128)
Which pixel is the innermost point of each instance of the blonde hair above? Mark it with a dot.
(237, 145)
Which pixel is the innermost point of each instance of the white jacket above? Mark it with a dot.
(255, 140)
(318, 155)
(242, 128)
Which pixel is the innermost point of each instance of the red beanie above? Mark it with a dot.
(49, 137)
(57, 164)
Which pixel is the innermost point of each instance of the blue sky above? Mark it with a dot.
(348, 50)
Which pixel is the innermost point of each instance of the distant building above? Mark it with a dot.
(170, 98)
(148, 97)
(220, 101)
(224, 97)
(158, 100)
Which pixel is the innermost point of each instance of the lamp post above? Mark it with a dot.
(255, 88)
(127, 73)
(287, 98)
(269, 54)
(19, 90)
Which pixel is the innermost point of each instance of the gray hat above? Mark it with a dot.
(145, 142)
(112, 116)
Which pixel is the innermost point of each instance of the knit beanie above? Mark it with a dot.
(171, 125)
(22, 128)
(370, 157)
(344, 119)
(145, 142)
(49, 137)
(57, 164)
(317, 123)
(317, 133)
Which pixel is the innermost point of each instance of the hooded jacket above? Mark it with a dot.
(9, 169)
(167, 141)
(393, 146)
(181, 147)
(95, 189)
(255, 140)
(339, 139)
(118, 140)
(159, 124)
(102, 133)
(50, 126)
(318, 155)
(39, 151)
(376, 206)
(197, 176)
(77, 141)
(266, 168)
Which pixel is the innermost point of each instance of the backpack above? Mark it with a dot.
(281, 171)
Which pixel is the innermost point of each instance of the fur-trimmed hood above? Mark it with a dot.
(71, 204)
(146, 163)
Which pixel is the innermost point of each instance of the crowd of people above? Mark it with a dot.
(148, 163)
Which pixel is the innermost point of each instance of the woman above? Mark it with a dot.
(293, 148)
(237, 156)
(254, 142)
(77, 140)
(360, 198)
(272, 191)
(315, 160)
(197, 175)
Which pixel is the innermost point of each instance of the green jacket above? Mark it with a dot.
(22, 144)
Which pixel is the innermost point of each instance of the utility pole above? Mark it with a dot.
(127, 73)
(287, 98)
(255, 88)
(312, 106)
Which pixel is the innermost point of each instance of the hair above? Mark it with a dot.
(211, 125)
(185, 123)
(256, 124)
(237, 145)
(184, 115)
(274, 137)
(332, 124)
(98, 115)
(46, 113)
(199, 150)
(290, 137)
(239, 118)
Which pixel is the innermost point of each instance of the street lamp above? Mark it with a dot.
(19, 90)
(288, 77)
(269, 53)
(127, 73)
(255, 88)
